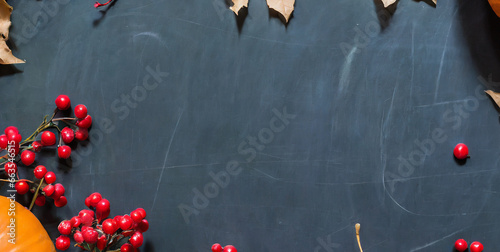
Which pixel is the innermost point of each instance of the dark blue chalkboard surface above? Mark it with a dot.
(271, 137)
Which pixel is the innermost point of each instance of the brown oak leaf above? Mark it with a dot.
(284, 7)
(238, 4)
(494, 95)
(6, 56)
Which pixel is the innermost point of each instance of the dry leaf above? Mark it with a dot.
(495, 96)
(6, 56)
(388, 2)
(238, 4)
(284, 7)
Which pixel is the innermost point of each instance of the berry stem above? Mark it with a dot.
(63, 119)
(36, 193)
(358, 226)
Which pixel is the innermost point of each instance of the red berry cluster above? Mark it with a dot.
(56, 192)
(461, 246)
(92, 230)
(228, 248)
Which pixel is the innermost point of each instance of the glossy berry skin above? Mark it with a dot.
(476, 247)
(10, 168)
(4, 142)
(136, 216)
(22, 187)
(81, 134)
(48, 190)
(142, 226)
(61, 201)
(58, 191)
(90, 235)
(101, 242)
(80, 111)
(87, 217)
(216, 247)
(64, 227)
(15, 137)
(95, 198)
(85, 123)
(127, 247)
(63, 102)
(461, 245)
(40, 200)
(78, 237)
(50, 177)
(126, 222)
(48, 138)
(103, 206)
(75, 221)
(63, 242)
(67, 135)
(142, 212)
(64, 152)
(11, 130)
(461, 151)
(37, 146)
(230, 248)
(109, 226)
(136, 239)
(40, 171)
(27, 157)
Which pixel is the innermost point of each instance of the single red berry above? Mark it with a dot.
(81, 134)
(67, 135)
(11, 130)
(16, 149)
(48, 190)
(101, 242)
(136, 216)
(142, 226)
(127, 247)
(90, 235)
(102, 206)
(95, 198)
(64, 152)
(117, 219)
(48, 138)
(461, 151)
(27, 157)
(63, 102)
(476, 247)
(216, 247)
(87, 202)
(85, 122)
(16, 137)
(136, 239)
(40, 171)
(78, 237)
(63, 242)
(58, 191)
(10, 168)
(87, 217)
(141, 211)
(50, 177)
(4, 142)
(229, 248)
(109, 226)
(75, 221)
(80, 111)
(37, 146)
(126, 222)
(40, 200)
(22, 187)
(461, 245)
(61, 201)
(65, 227)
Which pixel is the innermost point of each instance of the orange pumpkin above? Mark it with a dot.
(495, 4)
(29, 232)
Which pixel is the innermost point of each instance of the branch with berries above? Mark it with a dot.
(22, 152)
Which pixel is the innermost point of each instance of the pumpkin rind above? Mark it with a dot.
(30, 234)
(495, 4)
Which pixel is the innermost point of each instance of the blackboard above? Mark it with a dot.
(271, 137)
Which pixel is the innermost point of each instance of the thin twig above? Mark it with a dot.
(358, 226)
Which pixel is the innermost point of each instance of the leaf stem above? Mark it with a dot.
(36, 194)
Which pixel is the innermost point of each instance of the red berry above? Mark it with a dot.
(476, 247)
(109, 226)
(4, 142)
(142, 212)
(48, 138)
(81, 134)
(78, 237)
(95, 198)
(142, 226)
(27, 157)
(61, 201)
(40, 171)
(75, 221)
(117, 219)
(230, 248)
(136, 239)
(87, 202)
(63, 102)
(22, 187)
(126, 222)
(80, 111)
(37, 146)
(85, 122)
(48, 190)
(90, 235)
(64, 152)
(65, 227)
(136, 216)
(126, 248)
(102, 242)
(216, 248)
(58, 191)
(102, 206)
(40, 200)
(461, 151)
(50, 177)
(15, 137)
(63, 242)
(10, 168)
(67, 135)
(11, 130)
(87, 217)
